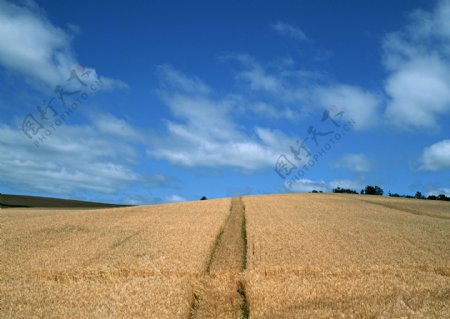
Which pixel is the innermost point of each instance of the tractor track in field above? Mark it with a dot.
(221, 291)
(403, 209)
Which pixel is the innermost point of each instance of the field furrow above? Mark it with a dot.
(221, 293)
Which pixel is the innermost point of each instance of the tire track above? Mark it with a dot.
(221, 292)
(229, 255)
(402, 209)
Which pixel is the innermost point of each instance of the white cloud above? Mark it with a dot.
(308, 185)
(175, 199)
(301, 92)
(189, 146)
(357, 163)
(417, 87)
(260, 80)
(74, 158)
(431, 24)
(205, 133)
(439, 191)
(420, 92)
(75, 29)
(281, 84)
(108, 123)
(359, 105)
(172, 78)
(289, 30)
(418, 60)
(269, 111)
(347, 183)
(31, 45)
(436, 157)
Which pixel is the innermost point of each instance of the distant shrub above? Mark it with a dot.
(373, 190)
(439, 197)
(419, 195)
(344, 190)
(203, 198)
(394, 195)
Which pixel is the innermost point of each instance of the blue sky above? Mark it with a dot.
(164, 101)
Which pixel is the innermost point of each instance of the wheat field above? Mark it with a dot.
(268, 256)
(119, 262)
(325, 256)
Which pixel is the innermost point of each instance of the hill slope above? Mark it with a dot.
(290, 256)
(7, 200)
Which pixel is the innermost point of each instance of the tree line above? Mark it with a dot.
(376, 190)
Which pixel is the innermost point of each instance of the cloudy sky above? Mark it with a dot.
(161, 101)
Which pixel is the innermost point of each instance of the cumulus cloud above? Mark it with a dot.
(175, 199)
(260, 80)
(110, 124)
(308, 185)
(357, 163)
(74, 158)
(37, 49)
(436, 157)
(205, 131)
(418, 59)
(280, 84)
(300, 92)
(360, 105)
(289, 30)
(205, 134)
(439, 191)
(347, 183)
(417, 85)
(267, 110)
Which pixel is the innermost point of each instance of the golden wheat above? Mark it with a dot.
(286, 256)
(325, 256)
(121, 262)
